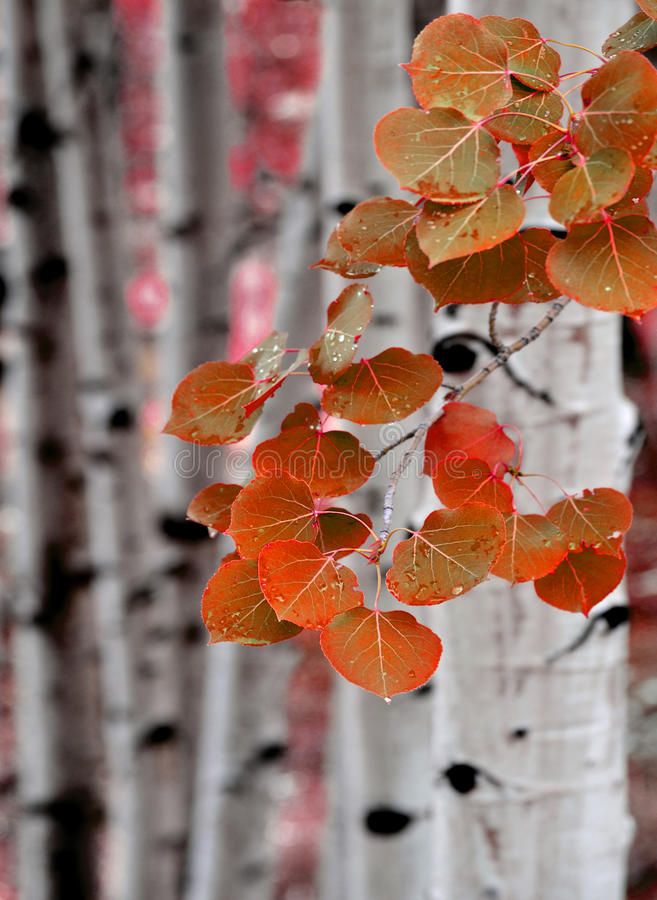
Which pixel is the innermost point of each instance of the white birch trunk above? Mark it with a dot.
(546, 816)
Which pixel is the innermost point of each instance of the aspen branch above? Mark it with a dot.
(458, 393)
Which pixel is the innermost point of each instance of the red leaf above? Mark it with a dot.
(596, 518)
(385, 388)
(332, 463)
(304, 586)
(638, 33)
(302, 414)
(622, 279)
(633, 202)
(493, 274)
(271, 509)
(338, 260)
(385, 653)
(584, 578)
(234, 608)
(208, 404)
(529, 116)
(439, 154)
(448, 232)
(211, 506)
(453, 551)
(339, 531)
(458, 480)
(467, 430)
(600, 182)
(375, 231)
(551, 158)
(534, 547)
(456, 62)
(620, 107)
(537, 287)
(531, 60)
(347, 319)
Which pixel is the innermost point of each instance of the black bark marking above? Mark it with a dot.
(385, 821)
(270, 753)
(35, 131)
(183, 530)
(49, 272)
(454, 357)
(462, 777)
(164, 733)
(23, 198)
(122, 419)
(345, 206)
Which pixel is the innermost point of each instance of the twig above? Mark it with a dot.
(388, 504)
(492, 327)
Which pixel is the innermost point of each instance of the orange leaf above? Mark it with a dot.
(453, 551)
(529, 116)
(638, 33)
(620, 107)
(456, 62)
(348, 317)
(338, 260)
(332, 463)
(551, 159)
(458, 480)
(609, 266)
(304, 586)
(302, 414)
(467, 430)
(596, 518)
(633, 202)
(234, 608)
(600, 182)
(493, 274)
(385, 388)
(339, 531)
(649, 7)
(531, 60)
(211, 506)
(208, 404)
(375, 231)
(534, 547)
(446, 232)
(385, 653)
(439, 154)
(584, 578)
(271, 509)
(537, 287)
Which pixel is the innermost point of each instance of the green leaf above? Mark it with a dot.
(375, 231)
(600, 182)
(439, 154)
(347, 318)
(638, 33)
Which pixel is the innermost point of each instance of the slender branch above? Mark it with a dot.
(458, 393)
(492, 327)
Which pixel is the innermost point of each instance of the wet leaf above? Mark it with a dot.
(271, 509)
(385, 653)
(439, 154)
(649, 7)
(537, 287)
(386, 388)
(347, 319)
(212, 505)
(530, 115)
(302, 414)
(600, 182)
(337, 260)
(584, 578)
(596, 518)
(447, 232)
(610, 266)
(304, 586)
(459, 480)
(551, 159)
(464, 430)
(234, 607)
(375, 231)
(453, 551)
(266, 358)
(531, 60)
(633, 202)
(534, 547)
(638, 33)
(340, 532)
(458, 63)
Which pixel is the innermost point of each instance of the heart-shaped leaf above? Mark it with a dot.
(304, 586)
(534, 547)
(347, 319)
(271, 509)
(458, 63)
(600, 182)
(385, 388)
(266, 358)
(584, 578)
(531, 60)
(620, 107)
(337, 260)
(332, 463)
(302, 414)
(453, 551)
(464, 430)
(439, 154)
(493, 274)
(375, 231)
(633, 202)
(459, 480)
(638, 33)
(446, 232)
(234, 607)
(596, 518)
(537, 287)
(610, 266)
(530, 115)
(212, 505)
(340, 532)
(208, 404)
(551, 158)
(385, 653)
